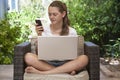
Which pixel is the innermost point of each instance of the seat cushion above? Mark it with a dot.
(83, 75)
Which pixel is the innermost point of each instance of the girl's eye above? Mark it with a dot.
(49, 14)
(55, 14)
(52, 14)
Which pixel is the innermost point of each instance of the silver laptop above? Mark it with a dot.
(57, 48)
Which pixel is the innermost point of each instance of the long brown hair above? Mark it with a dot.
(62, 7)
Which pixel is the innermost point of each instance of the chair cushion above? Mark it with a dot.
(80, 76)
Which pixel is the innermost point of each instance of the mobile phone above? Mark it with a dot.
(38, 22)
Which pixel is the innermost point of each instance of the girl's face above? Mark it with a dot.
(55, 15)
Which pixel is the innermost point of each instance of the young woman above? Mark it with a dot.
(59, 26)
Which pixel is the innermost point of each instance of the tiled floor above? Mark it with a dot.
(6, 73)
(103, 77)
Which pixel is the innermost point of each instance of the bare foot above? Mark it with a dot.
(73, 73)
(31, 69)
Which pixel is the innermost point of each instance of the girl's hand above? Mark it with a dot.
(39, 30)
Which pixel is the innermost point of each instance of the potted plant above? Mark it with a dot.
(112, 55)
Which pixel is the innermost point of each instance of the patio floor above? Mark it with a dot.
(6, 73)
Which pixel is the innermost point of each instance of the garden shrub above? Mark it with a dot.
(8, 39)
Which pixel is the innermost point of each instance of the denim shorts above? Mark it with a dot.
(57, 63)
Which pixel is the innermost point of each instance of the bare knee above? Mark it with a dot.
(30, 58)
(83, 57)
(83, 60)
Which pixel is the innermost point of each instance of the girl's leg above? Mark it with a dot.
(74, 65)
(32, 60)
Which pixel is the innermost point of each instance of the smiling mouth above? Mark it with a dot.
(52, 20)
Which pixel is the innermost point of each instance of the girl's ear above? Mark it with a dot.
(64, 13)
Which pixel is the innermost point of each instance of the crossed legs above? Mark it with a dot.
(42, 67)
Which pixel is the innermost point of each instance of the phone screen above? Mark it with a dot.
(38, 22)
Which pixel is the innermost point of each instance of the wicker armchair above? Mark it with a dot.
(90, 49)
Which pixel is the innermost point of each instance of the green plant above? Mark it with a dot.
(97, 20)
(26, 17)
(16, 29)
(113, 48)
(117, 48)
(8, 39)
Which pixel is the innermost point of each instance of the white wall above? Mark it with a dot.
(13, 5)
(3, 8)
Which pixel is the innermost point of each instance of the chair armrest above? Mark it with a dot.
(92, 51)
(19, 51)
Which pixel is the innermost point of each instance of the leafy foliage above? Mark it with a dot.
(25, 17)
(96, 20)
(16, 29)
(8, 39)
(113, 48)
